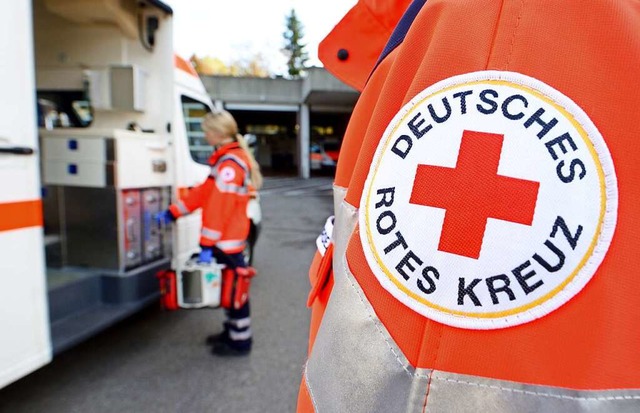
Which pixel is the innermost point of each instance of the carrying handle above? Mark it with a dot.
(17, 150)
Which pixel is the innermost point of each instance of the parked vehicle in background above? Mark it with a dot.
(116, 137)
(332, 149)
(320, 159)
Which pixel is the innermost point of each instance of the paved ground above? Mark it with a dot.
(157, 361)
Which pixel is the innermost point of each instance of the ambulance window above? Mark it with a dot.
(193, 111)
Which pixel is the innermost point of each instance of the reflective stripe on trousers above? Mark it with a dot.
(356, 367)
(238, 324)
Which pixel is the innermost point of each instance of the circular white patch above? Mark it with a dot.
(491, 201)
(227, 174)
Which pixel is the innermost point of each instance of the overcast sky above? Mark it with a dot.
(237, 29)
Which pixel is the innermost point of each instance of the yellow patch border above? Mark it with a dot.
(550, 294)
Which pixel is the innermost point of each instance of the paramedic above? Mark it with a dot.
(524, 112)
(223, 197)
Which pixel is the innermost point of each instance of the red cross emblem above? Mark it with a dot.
(472, 192)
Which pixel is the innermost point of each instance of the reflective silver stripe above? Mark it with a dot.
(466, 394)
(235, 159)
(240, 335)
(240, 323)
(182, 208)
(356, 367)
(210, 234)
(344, 222)
(229, 157)
(224, 245)
(231, 188)
(339, 193)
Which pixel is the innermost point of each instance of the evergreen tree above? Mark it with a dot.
(294, 49)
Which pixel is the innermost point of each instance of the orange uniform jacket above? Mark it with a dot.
(539, 99)
(223, 198)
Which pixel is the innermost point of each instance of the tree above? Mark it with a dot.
(294, 49)
(208, 65)
(254, 66)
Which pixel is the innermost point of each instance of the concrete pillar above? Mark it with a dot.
(304, 138)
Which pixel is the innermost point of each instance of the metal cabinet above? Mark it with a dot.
(108, 188)
(112, 229)
(151, 230)
(131, 228)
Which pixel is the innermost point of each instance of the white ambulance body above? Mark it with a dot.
(99, 130)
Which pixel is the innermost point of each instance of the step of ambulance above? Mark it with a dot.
(88, 302)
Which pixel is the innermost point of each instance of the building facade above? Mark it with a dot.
(298, 124)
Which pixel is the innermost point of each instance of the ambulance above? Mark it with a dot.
(99, 131)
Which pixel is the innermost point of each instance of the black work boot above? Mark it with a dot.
(225, 348)
(218, 337)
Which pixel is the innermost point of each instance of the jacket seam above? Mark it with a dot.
(306, 380)
(495, 35)
(534, 393)
(513, 37)
(349, 276)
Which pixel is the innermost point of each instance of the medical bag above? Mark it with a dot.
(235, 286)
(205, 285)
(168, 289)
(200, 284)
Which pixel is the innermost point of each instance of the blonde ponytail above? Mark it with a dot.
(256, 175)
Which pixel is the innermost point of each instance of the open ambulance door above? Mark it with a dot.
(191, 154)
(25, 343)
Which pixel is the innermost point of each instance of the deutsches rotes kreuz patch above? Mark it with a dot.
(491, 201)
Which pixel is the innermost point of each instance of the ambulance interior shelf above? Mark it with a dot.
(64, 109)
(69, 109)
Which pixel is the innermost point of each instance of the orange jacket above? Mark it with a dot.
(535, 309)
(223, 198)
(353, 47)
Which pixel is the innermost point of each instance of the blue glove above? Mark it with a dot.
(206, 254)
(164, 217)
